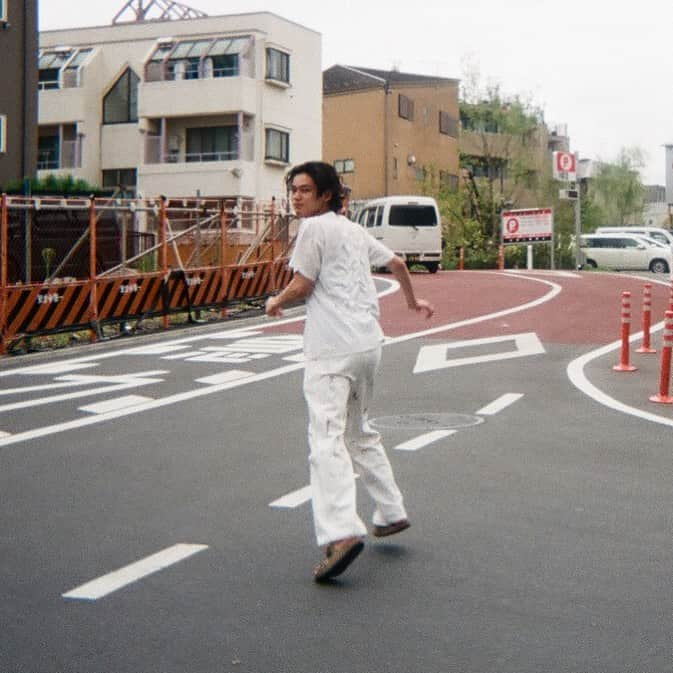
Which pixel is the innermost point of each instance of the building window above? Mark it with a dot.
(3, 134)
(120, 105)
(448, 180)
(406, 107)
(198, 59)
(277, 65)
(344, 166)
(123, 178)
(49, 152)
(448, 126)
(49, 68)
(277, 145)
(218, 143)
(72, 70)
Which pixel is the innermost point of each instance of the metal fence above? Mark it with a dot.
(75, 263)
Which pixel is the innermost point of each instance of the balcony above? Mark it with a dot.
(188, 97)
(66, 155)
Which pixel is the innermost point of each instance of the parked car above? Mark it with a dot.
(625, 251)
(657, 233)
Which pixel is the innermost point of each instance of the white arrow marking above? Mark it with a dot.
(435, 357)
(92, 591)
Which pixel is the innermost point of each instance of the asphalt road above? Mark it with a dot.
(156, 517)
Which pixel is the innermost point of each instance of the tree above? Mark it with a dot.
(617, 188)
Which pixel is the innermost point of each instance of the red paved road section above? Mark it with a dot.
(586, 310)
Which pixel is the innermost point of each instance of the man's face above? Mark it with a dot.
(305, 199)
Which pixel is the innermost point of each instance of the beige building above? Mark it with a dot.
(385, 130)
(216, 106)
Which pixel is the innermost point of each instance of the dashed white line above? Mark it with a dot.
(292, 500)
(107, 584)
(423, 440)
(498, 405)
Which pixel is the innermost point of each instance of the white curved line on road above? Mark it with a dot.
(287, 369)
(579, 379)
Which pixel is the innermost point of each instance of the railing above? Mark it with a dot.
(70, 156)
(155, 154)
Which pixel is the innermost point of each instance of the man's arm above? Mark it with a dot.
(297, 289)
(399, 269)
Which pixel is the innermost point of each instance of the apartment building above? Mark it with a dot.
(18, 93)
(384, 131)
(212, 106)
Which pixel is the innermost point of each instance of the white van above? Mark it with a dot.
(657, 233)
(409, 225)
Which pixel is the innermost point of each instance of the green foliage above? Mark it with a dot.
(55, 185)
(617, 188)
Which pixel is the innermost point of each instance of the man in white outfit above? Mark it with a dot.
(342, 344)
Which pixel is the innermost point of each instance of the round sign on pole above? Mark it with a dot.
(512, 225)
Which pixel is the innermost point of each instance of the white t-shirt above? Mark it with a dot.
(343, 309)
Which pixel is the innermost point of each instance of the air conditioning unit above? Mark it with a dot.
(173, 143)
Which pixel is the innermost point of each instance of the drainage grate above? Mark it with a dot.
(427, 421)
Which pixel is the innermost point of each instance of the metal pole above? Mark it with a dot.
(578, 219)
(3, 272)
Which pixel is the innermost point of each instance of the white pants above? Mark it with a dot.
(338, 392)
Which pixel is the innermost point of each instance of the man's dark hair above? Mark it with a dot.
(325, 178)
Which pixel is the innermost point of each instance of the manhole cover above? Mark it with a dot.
(427, 421)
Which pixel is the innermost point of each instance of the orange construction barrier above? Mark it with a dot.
(662, 397)
(624, 365)
(647, 320)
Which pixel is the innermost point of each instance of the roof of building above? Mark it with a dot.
(340, 78)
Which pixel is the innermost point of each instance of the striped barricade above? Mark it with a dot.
(250, 281)
(130, 297)
(44, 309)
(282, 273)
(196, 289)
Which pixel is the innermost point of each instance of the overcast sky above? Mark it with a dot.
(604, 69)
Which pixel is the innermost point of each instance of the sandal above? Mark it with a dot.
(339, 556)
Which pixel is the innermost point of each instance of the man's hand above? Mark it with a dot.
(423, 306)
(273, 309)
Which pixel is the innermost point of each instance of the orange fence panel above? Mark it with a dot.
(250, 281)
(34, 309)
(195, 289)
(135, 297)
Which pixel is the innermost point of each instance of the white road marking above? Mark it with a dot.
(578, 378)
(182, 356)
(435, 356)
(5, 434)
(157, 349)
(294, 499)
(59, 367)
(115, 404)
(127, 381)
(423, 440)
(211, 390)
(498, 405)
(107, 584)
(225, 377)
